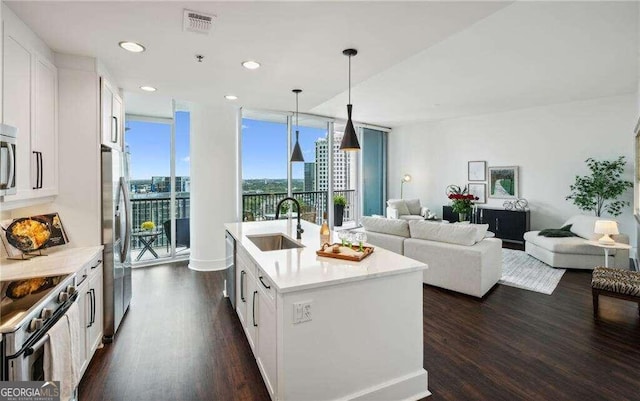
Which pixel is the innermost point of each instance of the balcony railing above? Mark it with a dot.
(314, 205)
(158, 210)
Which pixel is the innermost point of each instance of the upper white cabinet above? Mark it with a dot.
(29, 102)
(111, 126)
(44, 137)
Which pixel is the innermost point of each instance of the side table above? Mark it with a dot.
(607, 247)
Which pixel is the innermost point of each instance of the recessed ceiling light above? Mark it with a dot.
(132, 47)
(148, 88)
(251, 65)
(231, 97)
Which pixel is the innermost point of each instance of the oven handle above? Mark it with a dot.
(37, 341)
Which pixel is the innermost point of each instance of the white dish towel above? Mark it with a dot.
(77, 341)
(62, 357)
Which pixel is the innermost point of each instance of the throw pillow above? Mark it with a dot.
(459, 234)
(481, 231)
(386, 226)
(563, 232)
(414, 206)
(400, 205)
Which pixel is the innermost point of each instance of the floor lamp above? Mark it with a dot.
(405, 178)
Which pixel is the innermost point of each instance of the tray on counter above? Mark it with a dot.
(327, 251)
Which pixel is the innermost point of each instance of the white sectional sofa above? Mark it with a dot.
(575, 252)
(459, 257)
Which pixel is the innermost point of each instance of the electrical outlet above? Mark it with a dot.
(301, 312)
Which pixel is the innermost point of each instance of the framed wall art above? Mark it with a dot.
(503, 182)
(477, 171)
(479, 190)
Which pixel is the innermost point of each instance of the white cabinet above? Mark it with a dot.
(111, 117)
(29, 102)
(89, 282)
(256, 308)
(44, 136)
(251, 322)
(83, 306)
(266, 337)
(94, 329)
(241, 291)
(16, 104)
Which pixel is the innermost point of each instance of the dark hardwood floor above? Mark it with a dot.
(182, 341)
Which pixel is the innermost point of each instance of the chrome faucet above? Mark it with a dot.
(299, 229)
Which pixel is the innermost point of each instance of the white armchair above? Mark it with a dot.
(409, 209)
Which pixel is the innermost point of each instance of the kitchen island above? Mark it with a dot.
(328, 329)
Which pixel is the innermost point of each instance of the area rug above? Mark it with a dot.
(523, 271)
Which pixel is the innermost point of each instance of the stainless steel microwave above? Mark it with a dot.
(8, 135)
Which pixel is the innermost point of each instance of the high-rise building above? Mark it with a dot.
(309, 177)
(341, 165)
(163, 184)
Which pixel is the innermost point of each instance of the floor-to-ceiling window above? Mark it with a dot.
(374, 171)
(326, 173)
(157, 154)
(264, 165)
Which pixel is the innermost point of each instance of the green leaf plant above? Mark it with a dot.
(599, 192)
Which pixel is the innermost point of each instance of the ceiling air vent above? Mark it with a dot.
(197, 22)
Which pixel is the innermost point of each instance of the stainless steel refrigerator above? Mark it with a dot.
(116, 237)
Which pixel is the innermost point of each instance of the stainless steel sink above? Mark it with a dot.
(273, 242)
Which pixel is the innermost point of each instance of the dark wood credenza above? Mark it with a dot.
(508, 225)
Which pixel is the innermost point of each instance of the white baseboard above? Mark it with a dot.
(207, 265)
(407, 388)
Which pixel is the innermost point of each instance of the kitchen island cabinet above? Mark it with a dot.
(328, 329)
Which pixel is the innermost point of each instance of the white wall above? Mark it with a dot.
(214, 182)
(549, 143)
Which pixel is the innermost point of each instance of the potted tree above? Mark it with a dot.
(339, 202)
(600, 191)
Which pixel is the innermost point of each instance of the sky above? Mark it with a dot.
(264, 149)
(150, 147)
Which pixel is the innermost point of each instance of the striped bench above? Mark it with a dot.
(615, 283)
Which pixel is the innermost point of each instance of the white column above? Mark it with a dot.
(214, 182)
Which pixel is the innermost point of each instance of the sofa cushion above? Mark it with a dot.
(459, 234)
(583, 226)
(386, 226)
(400, 205)
(413, 205)
(481, 228)
(411, 217)
(569, 245)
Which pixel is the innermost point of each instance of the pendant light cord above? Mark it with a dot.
(297, 110)
(349, 79)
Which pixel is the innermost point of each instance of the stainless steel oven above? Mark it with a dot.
(8, 135)
(25, 323)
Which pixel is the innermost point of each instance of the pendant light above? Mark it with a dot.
(296, 156)
(349, 139)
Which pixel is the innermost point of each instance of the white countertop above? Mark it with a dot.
(297, 269)
(58, 262)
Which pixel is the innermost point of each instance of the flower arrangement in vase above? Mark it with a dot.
(461, 201)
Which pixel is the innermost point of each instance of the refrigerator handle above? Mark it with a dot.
(127, 205)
